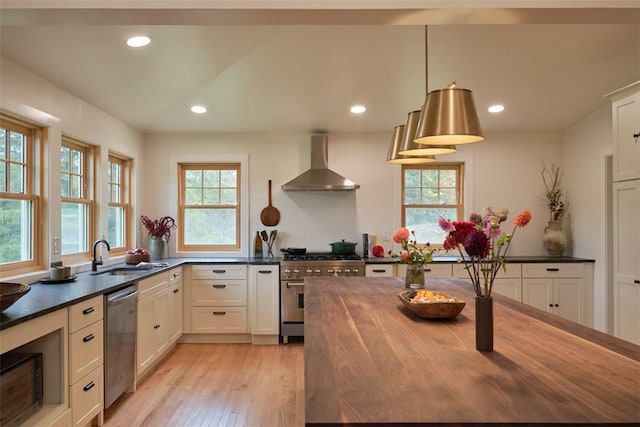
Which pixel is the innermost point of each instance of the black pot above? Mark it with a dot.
(343, 248)
(294, 251)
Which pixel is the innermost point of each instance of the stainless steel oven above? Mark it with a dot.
(293, 270)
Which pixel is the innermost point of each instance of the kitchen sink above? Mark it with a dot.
(121, 271)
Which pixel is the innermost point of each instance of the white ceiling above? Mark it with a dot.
(301, 78)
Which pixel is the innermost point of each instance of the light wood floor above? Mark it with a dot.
(218, 385)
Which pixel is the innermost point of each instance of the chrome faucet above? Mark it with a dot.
(95, 262)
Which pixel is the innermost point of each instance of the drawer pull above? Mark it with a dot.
(636, 281)
(88, 310)
(379, 270)
(553, 269)
(427, 270)
(264, 271)
(219, 286)
(219, 313)
(88, 338)
(89, 386)
(175, 275)
(175, 291)
(219, 271)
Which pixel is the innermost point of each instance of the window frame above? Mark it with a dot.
(86, 199)
(32, 185)
(124, 197)
(459, 168)
(182, 167)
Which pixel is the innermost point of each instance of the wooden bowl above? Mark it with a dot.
(448, 309)
(11, 292)
(136, 259)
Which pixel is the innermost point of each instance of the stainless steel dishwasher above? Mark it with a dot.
(120, 343)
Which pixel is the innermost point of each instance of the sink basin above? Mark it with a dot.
(120, 271)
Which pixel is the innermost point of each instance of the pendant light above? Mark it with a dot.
(449, 116)
(409, 145)
(395, 158)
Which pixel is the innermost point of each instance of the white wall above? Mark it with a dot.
(503, 171)
(585, 147)
(29, 97)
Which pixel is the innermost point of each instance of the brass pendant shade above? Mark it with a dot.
(408, 147)
(449, 117)
(394, 158)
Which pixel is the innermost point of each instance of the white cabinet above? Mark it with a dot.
(380, 270)
(626, 133)
(219, 298)
(626, 259)
(86, 352)
(264, 303)
(564, 289)
(153, 329)
(508, 281)
(174, 303)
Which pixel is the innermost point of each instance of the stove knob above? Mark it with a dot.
(317, 271)
(309, 272)
(347, 271)
(296, 272)
(330, 270)
(338, 271)
(287, 273)
(355, 271)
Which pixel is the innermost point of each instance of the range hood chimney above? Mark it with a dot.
(320, 177)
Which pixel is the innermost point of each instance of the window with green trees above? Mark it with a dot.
(209, 207)
(19, 237)
(428, 192)
(118, 216)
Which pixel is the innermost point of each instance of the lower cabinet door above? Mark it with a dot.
(86, 397)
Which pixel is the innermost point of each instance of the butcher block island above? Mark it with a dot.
(368, 360)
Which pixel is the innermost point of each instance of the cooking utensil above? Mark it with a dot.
(271, 241)
(264, 236)
(294, 251)
(270, 216)
(343, 248)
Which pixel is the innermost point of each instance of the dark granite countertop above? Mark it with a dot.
(46, 298)
(519, 259)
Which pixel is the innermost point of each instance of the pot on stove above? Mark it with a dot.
(294, 251)
(343, 248)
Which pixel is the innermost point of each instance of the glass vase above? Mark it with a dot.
(484, 323)
(414, 278)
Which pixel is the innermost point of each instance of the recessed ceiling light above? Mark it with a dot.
(138, 41)
(496, 108)
(358, 109)
(199, 109)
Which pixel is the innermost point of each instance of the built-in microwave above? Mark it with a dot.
(21, 392)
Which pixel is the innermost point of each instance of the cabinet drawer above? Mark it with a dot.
(553, 270)
(175, 275)
(86, 397)
(222, 271)
(85, 313)
(380, 270)
(436, 270)
(216, 320)
(85, 351)
(510, 271)
(152, 284)
(219, 292)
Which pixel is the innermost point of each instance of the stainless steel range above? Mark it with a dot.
(293, 270)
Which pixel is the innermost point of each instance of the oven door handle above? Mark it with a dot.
(295, 284)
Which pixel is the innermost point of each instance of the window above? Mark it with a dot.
(19, 237)
(209, 211)
(428, 192)
(118, 216)
(76, 204)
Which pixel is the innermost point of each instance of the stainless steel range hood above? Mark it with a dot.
(320, 177)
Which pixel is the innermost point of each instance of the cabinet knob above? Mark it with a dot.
(264, 271)
(219, 286)
(88, 338)
(219, 313)
(89, 386)
(88, 310)
(175, 291)
(636, 136)
(637, 281)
